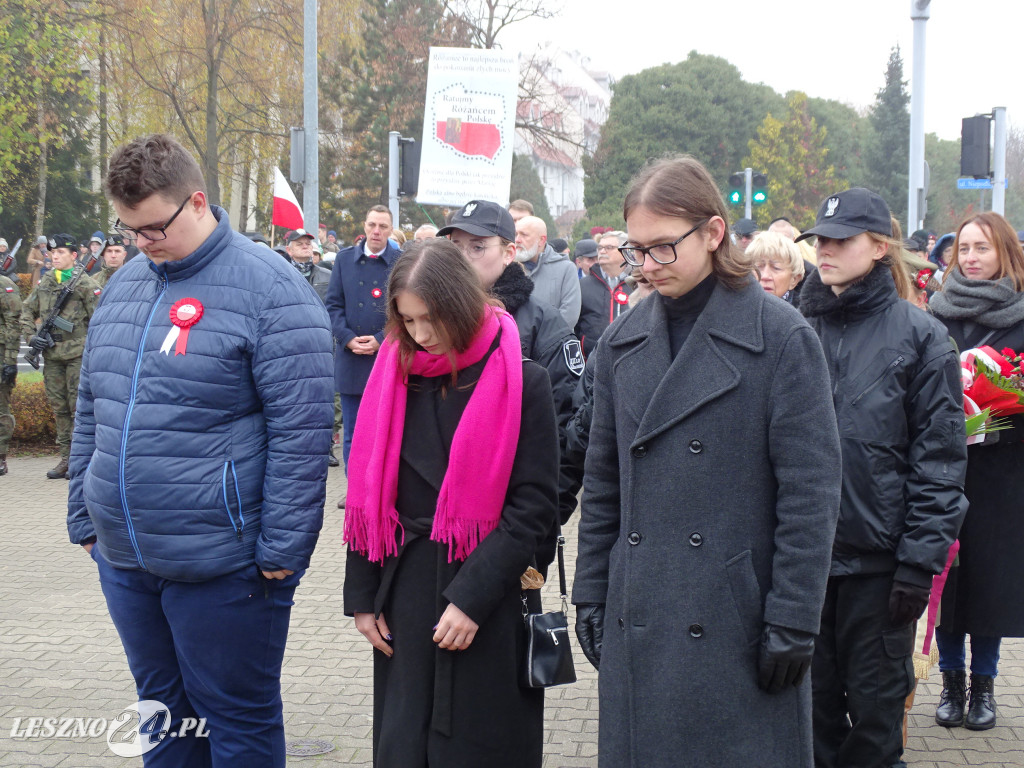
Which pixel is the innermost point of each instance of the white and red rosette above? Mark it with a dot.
(621, 297)
(184, 314)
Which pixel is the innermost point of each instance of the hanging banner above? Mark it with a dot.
(468, 126)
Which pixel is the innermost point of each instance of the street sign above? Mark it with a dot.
(979, 183)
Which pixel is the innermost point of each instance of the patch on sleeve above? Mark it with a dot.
(573, 353)
(9, 288)
(97, 292)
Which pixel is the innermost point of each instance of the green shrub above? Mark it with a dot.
(34, 426)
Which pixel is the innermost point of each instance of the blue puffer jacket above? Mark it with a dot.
(194, 465)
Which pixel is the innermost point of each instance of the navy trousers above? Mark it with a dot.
(210, 649)
(349, 411)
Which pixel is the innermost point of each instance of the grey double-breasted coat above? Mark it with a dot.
(710, 502)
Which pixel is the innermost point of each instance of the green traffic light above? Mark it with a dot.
(759, 197)
(735, 197)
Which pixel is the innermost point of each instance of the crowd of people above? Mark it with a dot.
(779, 503)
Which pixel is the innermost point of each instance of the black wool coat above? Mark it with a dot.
(709, 505)
(459, 708)
(983, 594)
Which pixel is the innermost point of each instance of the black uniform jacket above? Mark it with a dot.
(899, 404)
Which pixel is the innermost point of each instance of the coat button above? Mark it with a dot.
(696, 446)
(360, 303)
(634, 538)
(696, 539)
(696, 630)
(361, 282)
(622, 624)
(640, 451)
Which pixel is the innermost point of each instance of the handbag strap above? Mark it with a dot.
(560, 549)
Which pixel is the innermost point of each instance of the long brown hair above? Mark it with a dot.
(893, 258)
(436, 271)
(680, 186)
(999, 232)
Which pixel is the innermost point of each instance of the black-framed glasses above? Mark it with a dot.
(150, 233)
(662, 253)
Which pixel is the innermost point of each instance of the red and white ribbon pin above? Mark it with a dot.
(184, 314)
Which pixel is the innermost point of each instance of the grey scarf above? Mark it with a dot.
(991, 303)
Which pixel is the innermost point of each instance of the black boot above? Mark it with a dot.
(950, 711)
(61, 470)
(332, 460)
(3, 463)
(981, 712)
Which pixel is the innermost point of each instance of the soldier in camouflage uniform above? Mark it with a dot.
(112, 258)
(63, 361)
(10, 338)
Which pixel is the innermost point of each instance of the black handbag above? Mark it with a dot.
(548, 657)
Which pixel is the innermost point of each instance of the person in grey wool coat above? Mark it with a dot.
(711, 495)
(554, 276)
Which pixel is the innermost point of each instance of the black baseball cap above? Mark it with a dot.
(482, 218)
(744, 227)
(299, 233)
(62, 241)
(849, 213)
(115, 239)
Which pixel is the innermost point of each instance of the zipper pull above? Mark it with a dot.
(554, 637)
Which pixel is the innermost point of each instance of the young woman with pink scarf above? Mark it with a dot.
(452, 486)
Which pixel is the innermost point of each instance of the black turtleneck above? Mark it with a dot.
(683, 311)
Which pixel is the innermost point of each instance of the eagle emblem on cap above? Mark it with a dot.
(52, 244)
(468, 210)
(831, 205)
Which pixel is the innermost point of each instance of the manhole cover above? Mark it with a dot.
(308, 747)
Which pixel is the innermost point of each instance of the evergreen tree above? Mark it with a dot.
(526, 185)
(888, 156)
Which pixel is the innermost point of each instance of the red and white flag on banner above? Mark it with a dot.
(287, 212)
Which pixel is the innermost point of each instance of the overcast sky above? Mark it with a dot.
(834, 49)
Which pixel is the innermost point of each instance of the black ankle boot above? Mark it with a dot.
(981, 712)
(950, 711)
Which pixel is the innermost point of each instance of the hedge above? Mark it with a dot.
(34, 426)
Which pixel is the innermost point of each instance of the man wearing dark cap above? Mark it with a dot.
(62, 349)
(485, 233)
(745, 231)
(585, 256)
(112, 258)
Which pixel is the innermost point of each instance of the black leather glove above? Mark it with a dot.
(907, 602)
(39, 343)
(785, 657)
(590, 630)
(9, 374)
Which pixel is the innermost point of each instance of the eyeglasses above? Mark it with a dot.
(607, 248)
(475, 251)
(662, 253)
(150, 233)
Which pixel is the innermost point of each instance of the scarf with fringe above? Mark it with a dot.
(472, 495)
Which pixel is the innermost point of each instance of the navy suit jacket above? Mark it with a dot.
(357, 303)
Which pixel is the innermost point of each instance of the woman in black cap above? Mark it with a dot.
(982, 303)
(896, 390)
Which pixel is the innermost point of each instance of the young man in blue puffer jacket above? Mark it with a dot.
(199, 460)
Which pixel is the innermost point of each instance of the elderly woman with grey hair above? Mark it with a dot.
(779, 264)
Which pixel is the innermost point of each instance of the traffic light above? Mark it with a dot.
(759, 189)
(736, 183)
(974, 149)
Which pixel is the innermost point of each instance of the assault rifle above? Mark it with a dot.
(53, 320)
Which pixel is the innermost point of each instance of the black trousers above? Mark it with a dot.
(862, 673)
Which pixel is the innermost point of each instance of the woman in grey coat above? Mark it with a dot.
(710, 499)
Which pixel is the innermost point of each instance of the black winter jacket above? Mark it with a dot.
(600, 304)
(899, 405)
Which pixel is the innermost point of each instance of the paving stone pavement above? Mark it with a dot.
(60, 656)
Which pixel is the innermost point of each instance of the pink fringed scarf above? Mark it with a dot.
(473, 492)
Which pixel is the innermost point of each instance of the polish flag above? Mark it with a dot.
(287, 212)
